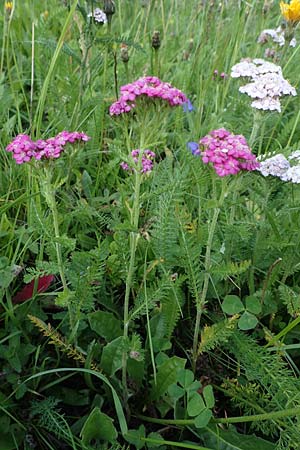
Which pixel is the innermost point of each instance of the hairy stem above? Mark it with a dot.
(207, 264)
(133, 240)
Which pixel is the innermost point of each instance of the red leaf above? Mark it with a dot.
(27, 291)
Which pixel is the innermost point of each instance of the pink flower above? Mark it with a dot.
(151, 87)
(24, 149)
(228, 153)
(147, 161)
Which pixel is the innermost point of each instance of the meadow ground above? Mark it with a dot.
(149, 225)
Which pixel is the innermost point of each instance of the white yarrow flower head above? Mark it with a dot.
(292, 174)
(99, 16)
(281, 167)
(295, 155)
(267, 83)
(267, 104)
(276, 166)
(277, 36)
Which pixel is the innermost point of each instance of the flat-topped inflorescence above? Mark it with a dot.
(23, 148)
(275, 35)
(267, 83)
(151, 87)
(228, 153)
(281, 167)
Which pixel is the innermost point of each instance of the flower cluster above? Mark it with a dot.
(277, 36)
(24, 148)
(147, 160)
(282, 167)
(267, 83)
(228, 153)
(151, 87)
(99, 16)
(291, 12)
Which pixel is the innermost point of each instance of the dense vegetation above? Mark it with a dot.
(149, 291)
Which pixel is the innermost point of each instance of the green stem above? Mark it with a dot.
(290, 412)
(207, 264)
(173, 444)
(49, 192)
(133, 240)
(52, 205)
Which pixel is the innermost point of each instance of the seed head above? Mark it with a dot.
(155, 41)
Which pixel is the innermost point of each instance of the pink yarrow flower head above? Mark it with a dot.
(151, 87)
(148, 158)
(24, 148)
(228, 153)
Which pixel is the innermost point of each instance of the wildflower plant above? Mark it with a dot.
(171, 276)
(267, 83)
(41, 154)
(145, 96)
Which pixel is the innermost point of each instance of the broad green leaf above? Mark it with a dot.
(195, 405)
(185, 377)
(176, 392)
(166, 375)
(87, 184)
(208, 395)
(105, 324)
(230, 439)
(232, 305)
(98, 426)
(247, 321)
(134, 437)
(253, 305)
(111, 359)
(203, 419)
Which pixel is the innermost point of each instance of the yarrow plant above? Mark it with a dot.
(146, 163)
(281, 167)
(24, 149)
(151, 87)
(277, 36)
(267, 83)
(228, 153)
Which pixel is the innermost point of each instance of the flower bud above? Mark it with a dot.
(109, 8)
(124, 53)
(155, 41)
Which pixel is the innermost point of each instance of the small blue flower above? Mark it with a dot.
(187, 106)
(194, 148)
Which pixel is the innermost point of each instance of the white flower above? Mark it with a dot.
(267, 104)
(98, 15)
(263, 66)
(243, 69)
(277, 36)
(292, 174)
(295, 155)
(267, 83)
(276, 165)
